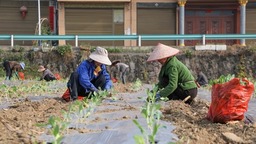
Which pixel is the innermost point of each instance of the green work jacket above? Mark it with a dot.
(173, 74)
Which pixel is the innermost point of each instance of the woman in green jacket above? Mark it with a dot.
(175, 80)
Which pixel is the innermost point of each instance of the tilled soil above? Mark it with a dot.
(18, 122)
(194, 128)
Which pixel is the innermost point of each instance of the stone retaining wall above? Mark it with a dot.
(213, 63)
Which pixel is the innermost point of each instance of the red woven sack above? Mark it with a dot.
(66, 96)
(230, 100)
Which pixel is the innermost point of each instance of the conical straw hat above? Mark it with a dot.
(162, 51)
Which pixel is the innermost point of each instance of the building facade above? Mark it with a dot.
(21, 17)
(134, 17)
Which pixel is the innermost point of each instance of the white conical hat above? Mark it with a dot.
(100, 55)
(162, 51)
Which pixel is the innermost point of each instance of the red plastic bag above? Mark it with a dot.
(66, 96)
(230, 100)
(21, 75)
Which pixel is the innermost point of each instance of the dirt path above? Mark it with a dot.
(17, 123)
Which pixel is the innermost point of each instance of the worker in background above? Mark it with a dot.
(13, 66)
(46, 74)
(202, 79)
(121, 69)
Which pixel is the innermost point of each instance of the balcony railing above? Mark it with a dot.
(138, 38)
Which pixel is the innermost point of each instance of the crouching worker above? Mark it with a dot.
(121, 69)
(91, 75)
(201, 80)
(47, 74)
(175, 80)
(13, 66)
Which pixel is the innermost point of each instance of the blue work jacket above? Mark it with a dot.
(86, 74)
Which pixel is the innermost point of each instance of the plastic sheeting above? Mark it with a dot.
(111, 123)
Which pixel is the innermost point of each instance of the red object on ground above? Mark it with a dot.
(230, 100)
(57, 76)
(114, 80)
(80, 97)
(66, 96)
(21, 75)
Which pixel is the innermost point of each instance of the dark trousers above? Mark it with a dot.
(123, 75)
(76, 89)
(180, 94)
(8, 70)
(49, 78)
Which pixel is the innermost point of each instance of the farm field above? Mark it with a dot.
(27, 105)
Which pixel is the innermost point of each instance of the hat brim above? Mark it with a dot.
(101, 59)
(41, 70)
(162, 51)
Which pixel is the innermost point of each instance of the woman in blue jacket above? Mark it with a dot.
(91, 75)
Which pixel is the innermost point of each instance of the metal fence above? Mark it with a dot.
(138, 38)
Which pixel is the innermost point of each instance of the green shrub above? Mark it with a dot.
(188, 53)
(62, 50)
(222, 79)
(18, 48)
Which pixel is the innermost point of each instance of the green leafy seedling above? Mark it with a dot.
(56, 128)
(151, 112)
